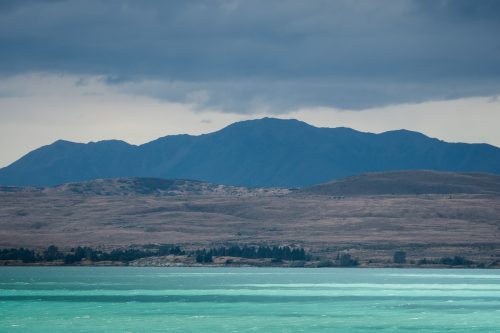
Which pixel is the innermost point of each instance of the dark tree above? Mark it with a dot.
(22, 254)
(347, 261)
(52, 253)
(399, 257)
(456, 261)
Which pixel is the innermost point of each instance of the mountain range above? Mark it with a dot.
(266, 152)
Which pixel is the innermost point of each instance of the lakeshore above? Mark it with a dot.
(170, 255)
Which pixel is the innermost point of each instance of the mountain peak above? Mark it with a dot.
(111, 143)
(405, 133)
(61, 143)
(268, 123)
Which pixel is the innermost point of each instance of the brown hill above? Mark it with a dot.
(409, 183)
(121, 212)
(158, 187)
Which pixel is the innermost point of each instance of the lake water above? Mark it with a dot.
(112, 299)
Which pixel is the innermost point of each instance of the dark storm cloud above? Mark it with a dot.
(246, 54)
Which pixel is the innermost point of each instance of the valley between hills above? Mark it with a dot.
(425, 214)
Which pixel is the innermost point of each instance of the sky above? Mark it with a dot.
(137, 70)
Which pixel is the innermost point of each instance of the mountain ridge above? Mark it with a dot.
(266, 152)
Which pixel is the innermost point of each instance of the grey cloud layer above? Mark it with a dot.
(239, 55)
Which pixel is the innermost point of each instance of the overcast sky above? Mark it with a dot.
(136, 70)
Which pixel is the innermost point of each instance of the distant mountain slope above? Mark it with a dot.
(261, 153)
(409, 182)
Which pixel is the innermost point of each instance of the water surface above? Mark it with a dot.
(119, 299)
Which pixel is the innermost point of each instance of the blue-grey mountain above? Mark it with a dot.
(264, 153)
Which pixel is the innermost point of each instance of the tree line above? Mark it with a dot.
(455, 261)
(277, 253)
(75, 255)
(78, 254)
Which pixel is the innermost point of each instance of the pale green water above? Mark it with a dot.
(97, 299)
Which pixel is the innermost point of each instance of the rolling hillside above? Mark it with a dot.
(115, 213)
(412, 182)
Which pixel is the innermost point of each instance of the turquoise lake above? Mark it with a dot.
(128, 299)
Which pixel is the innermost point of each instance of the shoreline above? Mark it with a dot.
(311, 265)
(234, 256)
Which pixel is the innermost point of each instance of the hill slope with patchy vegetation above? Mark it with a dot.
(120, 213)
